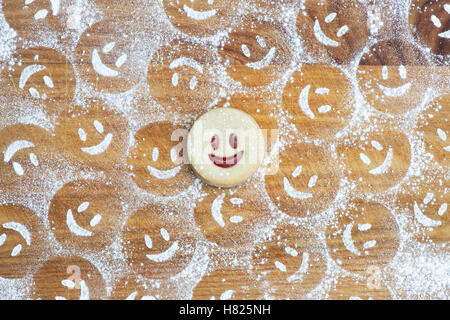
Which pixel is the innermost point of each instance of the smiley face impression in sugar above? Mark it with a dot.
(225, 147)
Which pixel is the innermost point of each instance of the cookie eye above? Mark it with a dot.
(233, 141)
(215, 142)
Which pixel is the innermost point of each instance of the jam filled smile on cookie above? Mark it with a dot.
(225, 147)
(225, 162)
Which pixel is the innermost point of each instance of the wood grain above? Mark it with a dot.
(427, 31)
(316, 16)
(314, 172)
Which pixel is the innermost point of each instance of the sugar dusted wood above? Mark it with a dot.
(49, 275)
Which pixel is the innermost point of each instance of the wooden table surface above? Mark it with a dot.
(359, 95)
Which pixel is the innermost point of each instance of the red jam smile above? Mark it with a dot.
(226, 162)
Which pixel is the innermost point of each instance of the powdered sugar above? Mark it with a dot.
(418, 270)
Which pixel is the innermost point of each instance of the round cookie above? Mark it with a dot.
(225, 147)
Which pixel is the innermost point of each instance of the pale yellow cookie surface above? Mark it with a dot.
(225, 147)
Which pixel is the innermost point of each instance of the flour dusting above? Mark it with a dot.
(116, 82)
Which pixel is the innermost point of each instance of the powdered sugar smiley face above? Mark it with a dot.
(230, 218)
(256, 53)
(27, 16)
(391, 76)
(70, 278)
(20, 240)
(179, 76)
(227, 284)
(43, 74)
(86, 136)
(364, 234)
(225, 147)
(287, 262)
(305, 183)
(100, 147)
(21, 150)
(25, 158)
(430, 21)
(434, 125)
(158, 242)
(378, 162)
(427, 199)
(318, 99)
(81, 216)
(331, 28)
(110, 60)
(199, 17)
(156, 161)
